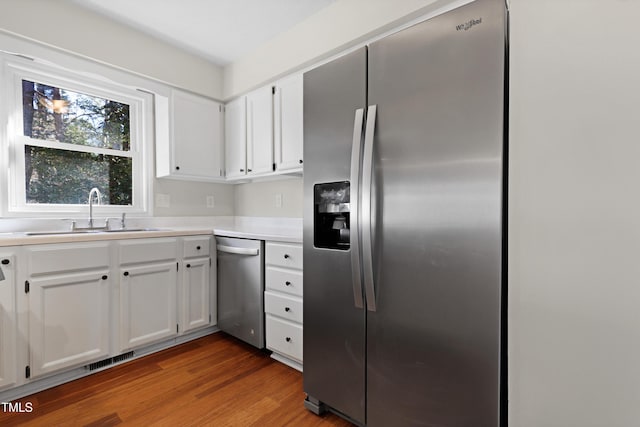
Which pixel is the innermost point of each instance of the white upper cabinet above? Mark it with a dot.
(235, 126)
(189, 137)
(260, 131)
(264, 131)
(288, 124)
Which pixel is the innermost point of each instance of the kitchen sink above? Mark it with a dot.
(96, 231)
(126, 230)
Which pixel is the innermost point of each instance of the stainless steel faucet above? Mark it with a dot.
(93, 191)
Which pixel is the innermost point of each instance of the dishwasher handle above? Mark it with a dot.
(238, 251)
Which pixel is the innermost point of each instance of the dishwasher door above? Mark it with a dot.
(241, 288)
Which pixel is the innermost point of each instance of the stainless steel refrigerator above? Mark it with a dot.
(404, 225)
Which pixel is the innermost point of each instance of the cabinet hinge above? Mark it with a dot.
(26, 286)
(27, 372)
(273, 90)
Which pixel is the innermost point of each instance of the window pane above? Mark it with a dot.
(55, 114)
(66, 177)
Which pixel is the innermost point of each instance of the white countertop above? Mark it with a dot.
(20, 238)
(272, 229)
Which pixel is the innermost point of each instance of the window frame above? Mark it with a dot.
(16, 69)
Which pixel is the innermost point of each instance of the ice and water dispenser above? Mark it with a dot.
(331, 215)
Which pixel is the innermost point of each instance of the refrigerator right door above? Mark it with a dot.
(433, 341)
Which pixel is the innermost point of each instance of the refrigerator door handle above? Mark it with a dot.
(356, 151)
(367, 171)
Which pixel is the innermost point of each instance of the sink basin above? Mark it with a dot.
(119, 230)
(127, 230)
(47, 233)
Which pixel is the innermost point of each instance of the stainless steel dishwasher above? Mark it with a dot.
(241, 288)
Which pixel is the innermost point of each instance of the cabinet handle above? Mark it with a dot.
(197, 248)
(177, 168)
(288, 339)
(249, 170)
(286, 256)
(300, 161)
(188, 265)
(126, 273)
(5, 261)
(241, 170)
(287, 309)
(287, 283)
(105, 277)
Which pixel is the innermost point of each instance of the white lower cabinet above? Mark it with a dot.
(196, 288)
(68, 320)
(65, 306)
(283, 302)
(67, 289)
(147, 303)
(148, 287)
(7, 320)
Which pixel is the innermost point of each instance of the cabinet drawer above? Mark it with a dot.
(68, 257)
(148, 250)
(284, 255)
(196, 246)
(284, 337)
(288, 281)
(287, 307)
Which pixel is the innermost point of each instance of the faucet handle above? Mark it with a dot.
(73, 223)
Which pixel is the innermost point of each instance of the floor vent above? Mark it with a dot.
(110, 361)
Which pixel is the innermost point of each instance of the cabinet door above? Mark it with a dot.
(195, 293)
(7, 321)
(196, 136)
(289, 123)
(235, 139)
(147, 303)
(260, 131)
(68, 320)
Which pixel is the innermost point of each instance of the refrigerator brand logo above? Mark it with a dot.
(469, 24)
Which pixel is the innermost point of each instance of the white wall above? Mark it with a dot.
(574, 214)
(190, 198)
(72, 28)
(259, 199)
(342, 24)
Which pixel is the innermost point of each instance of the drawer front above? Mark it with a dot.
(288, 281)
(284, 337)
(284, 255)
(196, 246)
(68, 257)
(147, 250)
(287, 307)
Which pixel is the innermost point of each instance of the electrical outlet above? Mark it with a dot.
(278, 200)
(211, 201)
(163, 200)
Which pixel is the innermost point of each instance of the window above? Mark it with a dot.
(70, 134)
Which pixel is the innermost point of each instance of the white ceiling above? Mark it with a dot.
(219, 30)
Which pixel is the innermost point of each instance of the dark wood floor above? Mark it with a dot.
(213, 381)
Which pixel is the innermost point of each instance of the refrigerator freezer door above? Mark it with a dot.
(334, 328)
(433, 343)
